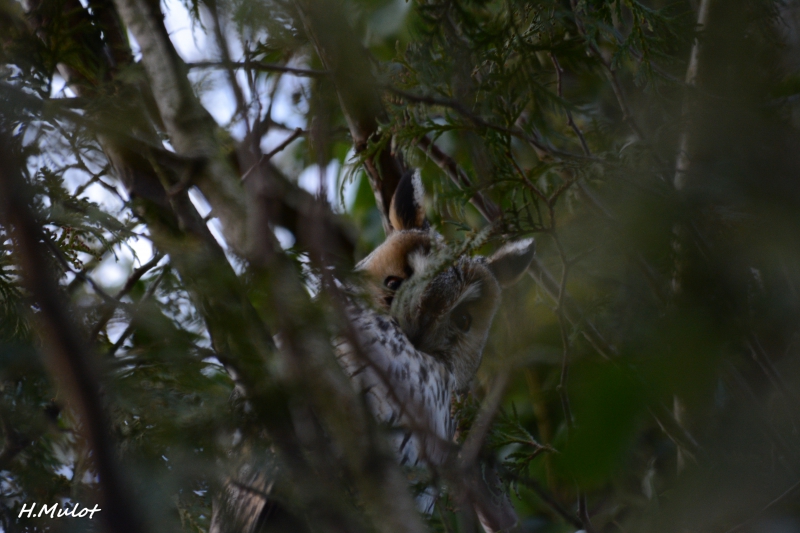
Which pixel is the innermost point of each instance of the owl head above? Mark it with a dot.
(443, 299)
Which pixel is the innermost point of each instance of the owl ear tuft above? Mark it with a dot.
(407, 210)
(511, 261)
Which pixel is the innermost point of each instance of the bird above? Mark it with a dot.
(421, 330)
(420, 319)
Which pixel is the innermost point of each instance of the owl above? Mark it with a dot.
(422, 331)
(421, 323)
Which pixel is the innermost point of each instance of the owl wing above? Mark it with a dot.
(407, 390)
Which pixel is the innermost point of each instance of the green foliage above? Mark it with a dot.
(566, 114)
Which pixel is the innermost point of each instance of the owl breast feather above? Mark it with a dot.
(408, 391)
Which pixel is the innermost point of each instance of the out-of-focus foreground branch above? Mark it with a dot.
(350, 69)
(374, 472)
(158, 188)
(69, 359)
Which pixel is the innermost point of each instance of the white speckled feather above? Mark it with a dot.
(408, 391)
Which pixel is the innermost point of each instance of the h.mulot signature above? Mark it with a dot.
(58, 511)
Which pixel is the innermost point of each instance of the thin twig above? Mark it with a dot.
(548, 498)
(481, 122)
(610, 73)
(135, 276)
(528, 182)
(128, 330)
(788, 492)
(477, 435)
(259, 65)
(485, 206)
(81, 275)
(570, 121)
(266, 157)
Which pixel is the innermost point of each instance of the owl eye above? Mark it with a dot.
(393, 282)
(462, 320)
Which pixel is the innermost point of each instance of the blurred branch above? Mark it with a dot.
(583, 513)
(477, 434)
(116, 39)
(683, 161)
(679, 181)
(763, 360)
(70, 365)
(222, 44)
(14, 443)
(348, 63)
(238, 336)
(781, 440)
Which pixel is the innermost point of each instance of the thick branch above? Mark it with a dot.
(350, 69)
(192, 130)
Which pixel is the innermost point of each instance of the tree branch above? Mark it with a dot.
(481, 122)
(135, 276)
(683, 161)
(191, 128)
(68, 355)
(358, 93)
(788, 492)
(259, 65)
(611, 74)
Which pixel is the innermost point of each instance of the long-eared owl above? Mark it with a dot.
(422, 332)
